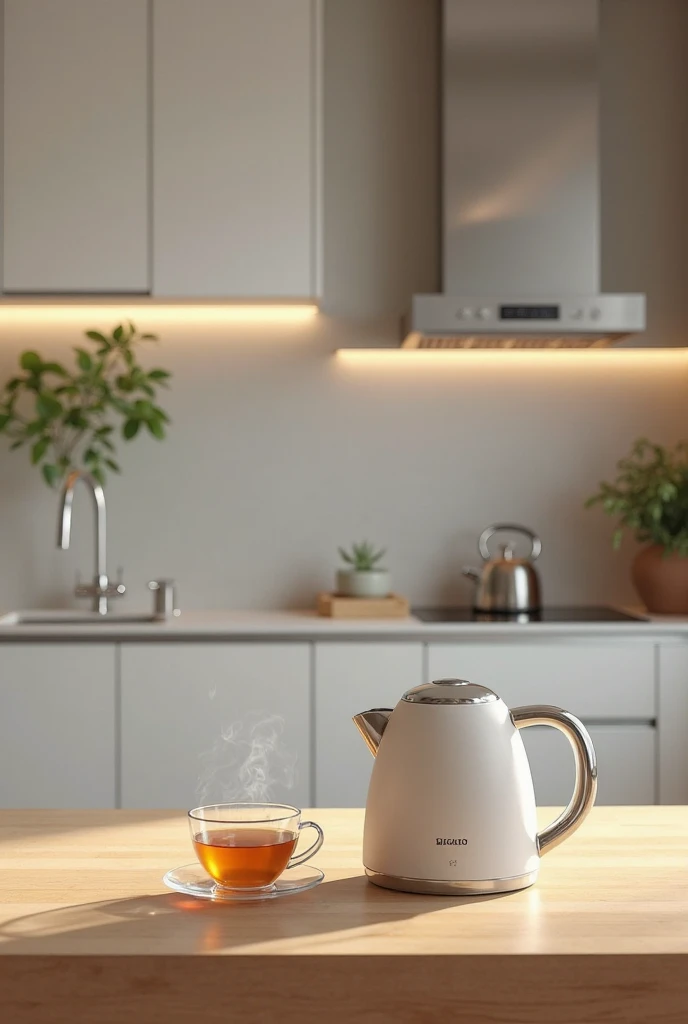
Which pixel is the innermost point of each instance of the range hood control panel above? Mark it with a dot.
(518, 321)
(525, 314)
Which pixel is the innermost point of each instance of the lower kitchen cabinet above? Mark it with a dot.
(173, 724)
(209, 722)
(57, 725)
(352, 677)
(626, 761)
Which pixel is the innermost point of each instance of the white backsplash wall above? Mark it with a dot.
(280, 450)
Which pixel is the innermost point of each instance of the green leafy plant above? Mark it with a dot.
(362, 557)
(68, 416)
(650, 496)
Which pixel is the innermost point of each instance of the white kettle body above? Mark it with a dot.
(451, 807)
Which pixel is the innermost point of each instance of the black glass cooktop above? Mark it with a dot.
(583, 614)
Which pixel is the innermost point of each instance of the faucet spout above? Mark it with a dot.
(100, 590)
(371, 725)
(64, 531)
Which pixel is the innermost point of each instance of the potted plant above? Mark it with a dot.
(363, 577)
(649, 497)
(66, 415)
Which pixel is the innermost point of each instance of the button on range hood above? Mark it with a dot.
(521, 224)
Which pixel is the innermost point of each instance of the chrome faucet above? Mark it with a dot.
(101, 589)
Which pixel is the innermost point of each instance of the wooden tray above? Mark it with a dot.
(335, 607)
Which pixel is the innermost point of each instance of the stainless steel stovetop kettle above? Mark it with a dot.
(451, 807)
(506, 584)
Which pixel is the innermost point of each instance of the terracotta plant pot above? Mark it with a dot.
(661, 581)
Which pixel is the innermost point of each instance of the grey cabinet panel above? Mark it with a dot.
(234, 161)
(57, 725)
(625, 761)
(352, 677)
(76, 137)
(605, 680)
(191, 723)
(672, 720)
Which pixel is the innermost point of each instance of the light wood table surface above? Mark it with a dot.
(90, 933)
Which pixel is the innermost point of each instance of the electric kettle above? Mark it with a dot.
(506, 584)
(451, 807)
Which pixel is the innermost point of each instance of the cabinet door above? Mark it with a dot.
(57, 725)
(75, 146)
(234, 148)
(349, 678)
(672, 717)
(625, 762)
(610, 680)
(210, 722)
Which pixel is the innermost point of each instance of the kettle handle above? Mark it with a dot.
(585, 788)
(536, 543)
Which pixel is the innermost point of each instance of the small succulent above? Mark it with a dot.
(362, 557)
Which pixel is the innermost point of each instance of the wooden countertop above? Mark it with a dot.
(87, 924)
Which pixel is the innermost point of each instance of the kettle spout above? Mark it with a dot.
(472, 574)
(371, 725)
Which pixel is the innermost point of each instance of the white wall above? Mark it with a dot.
(280, 451)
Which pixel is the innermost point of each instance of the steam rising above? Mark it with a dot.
(247, 762)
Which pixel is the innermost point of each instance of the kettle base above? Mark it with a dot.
(449, 887)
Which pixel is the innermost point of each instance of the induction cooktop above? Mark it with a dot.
(580, 614)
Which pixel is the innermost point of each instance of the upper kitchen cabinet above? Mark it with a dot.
(76, 140)
(235, 154)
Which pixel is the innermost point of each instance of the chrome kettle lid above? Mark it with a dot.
(450, 691)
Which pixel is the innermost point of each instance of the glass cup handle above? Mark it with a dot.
(300, 858)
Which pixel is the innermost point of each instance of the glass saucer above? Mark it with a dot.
(192, 880)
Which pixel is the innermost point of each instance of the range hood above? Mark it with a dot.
(520, 166)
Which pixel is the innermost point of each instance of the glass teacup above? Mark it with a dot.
(247, 846)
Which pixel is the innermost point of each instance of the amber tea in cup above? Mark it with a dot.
(241, 858)
(248, 846)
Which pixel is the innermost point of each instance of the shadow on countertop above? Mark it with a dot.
(174, 924)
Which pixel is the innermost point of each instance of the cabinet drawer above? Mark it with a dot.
(602, 681)
(625, 763)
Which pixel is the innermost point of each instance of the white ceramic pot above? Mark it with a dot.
(374, 583)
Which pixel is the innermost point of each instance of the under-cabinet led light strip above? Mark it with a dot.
(59, 313)
(413, 359)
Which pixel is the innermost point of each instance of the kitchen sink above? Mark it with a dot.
(74, 618)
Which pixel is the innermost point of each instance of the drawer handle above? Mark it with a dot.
(585, 787)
